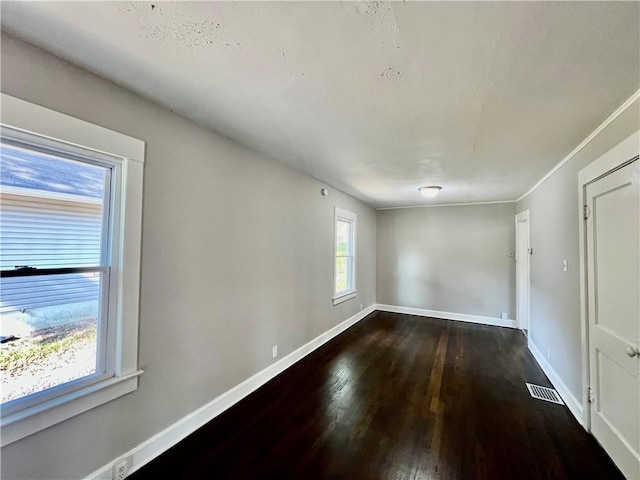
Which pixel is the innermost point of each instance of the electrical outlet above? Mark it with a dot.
(565, 266)
(503, 315)
(120, 469)
(360, 307)
(274, 351)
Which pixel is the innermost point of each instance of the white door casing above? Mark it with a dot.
(610, 281)
(522, 270)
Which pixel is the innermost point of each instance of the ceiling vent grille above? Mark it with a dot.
(544, 393)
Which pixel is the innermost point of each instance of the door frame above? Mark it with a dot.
(619, 156)
(520, 218)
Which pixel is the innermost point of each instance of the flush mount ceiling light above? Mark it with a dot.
(431, 191)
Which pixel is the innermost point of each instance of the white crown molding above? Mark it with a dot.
(584, 143)
(447, 205)
(621, 109)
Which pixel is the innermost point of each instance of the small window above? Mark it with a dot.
(68, 322)
(345, 256)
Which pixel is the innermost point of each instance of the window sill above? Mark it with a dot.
(31, 420)
(343, 297)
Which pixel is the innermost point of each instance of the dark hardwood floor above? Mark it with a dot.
(400, 397)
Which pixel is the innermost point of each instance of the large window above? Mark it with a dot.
(345, 256)
(55, 233)
(68, 325)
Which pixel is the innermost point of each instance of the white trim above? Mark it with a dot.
(462, 317)
(352, 218)
(42, 121)
(521, 218)
(46, 128)
(43, 415)
(343, 297)
(584, 143)
(161, 442)
(612, 159)
(621, 109)
(626, 149)
(147, 451)
(448, 205)
(570, 401)
(127, 266)
(584, 329)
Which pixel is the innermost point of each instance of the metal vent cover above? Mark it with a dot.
(544, 393)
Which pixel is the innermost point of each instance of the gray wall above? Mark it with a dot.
(554, 236)
(451, 259)
(237, 256)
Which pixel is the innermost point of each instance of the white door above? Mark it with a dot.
(613, 310)
(522, 270)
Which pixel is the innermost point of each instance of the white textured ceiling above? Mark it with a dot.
(376, 99)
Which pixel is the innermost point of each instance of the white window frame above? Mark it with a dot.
(27, 121)
(345, 216)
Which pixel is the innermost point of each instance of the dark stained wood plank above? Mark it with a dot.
(396, 396)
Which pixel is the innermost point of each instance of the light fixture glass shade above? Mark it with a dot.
(430, 192)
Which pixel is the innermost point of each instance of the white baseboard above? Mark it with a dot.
(575, 407)
(462, 317)
(147, 451)
(159, 443)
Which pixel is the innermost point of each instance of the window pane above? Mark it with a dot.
(343, 237)
(349, 273)
(51, 210)
(54, 321)
(341, 274)
(52, 215)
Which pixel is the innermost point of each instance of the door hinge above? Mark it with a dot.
(590, 397)
(586, 212)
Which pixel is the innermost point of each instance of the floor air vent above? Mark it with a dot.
(544, 393)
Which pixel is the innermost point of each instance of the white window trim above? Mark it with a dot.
(342, 214)
(21, 116)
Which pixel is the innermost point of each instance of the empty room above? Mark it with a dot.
(320, 240)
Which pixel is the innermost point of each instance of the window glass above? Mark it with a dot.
(342, 237)
(52, 217)
(344, 248)
(341, 274)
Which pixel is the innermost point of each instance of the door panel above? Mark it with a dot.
(613, 290)
(617, 256)
(615, 392)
